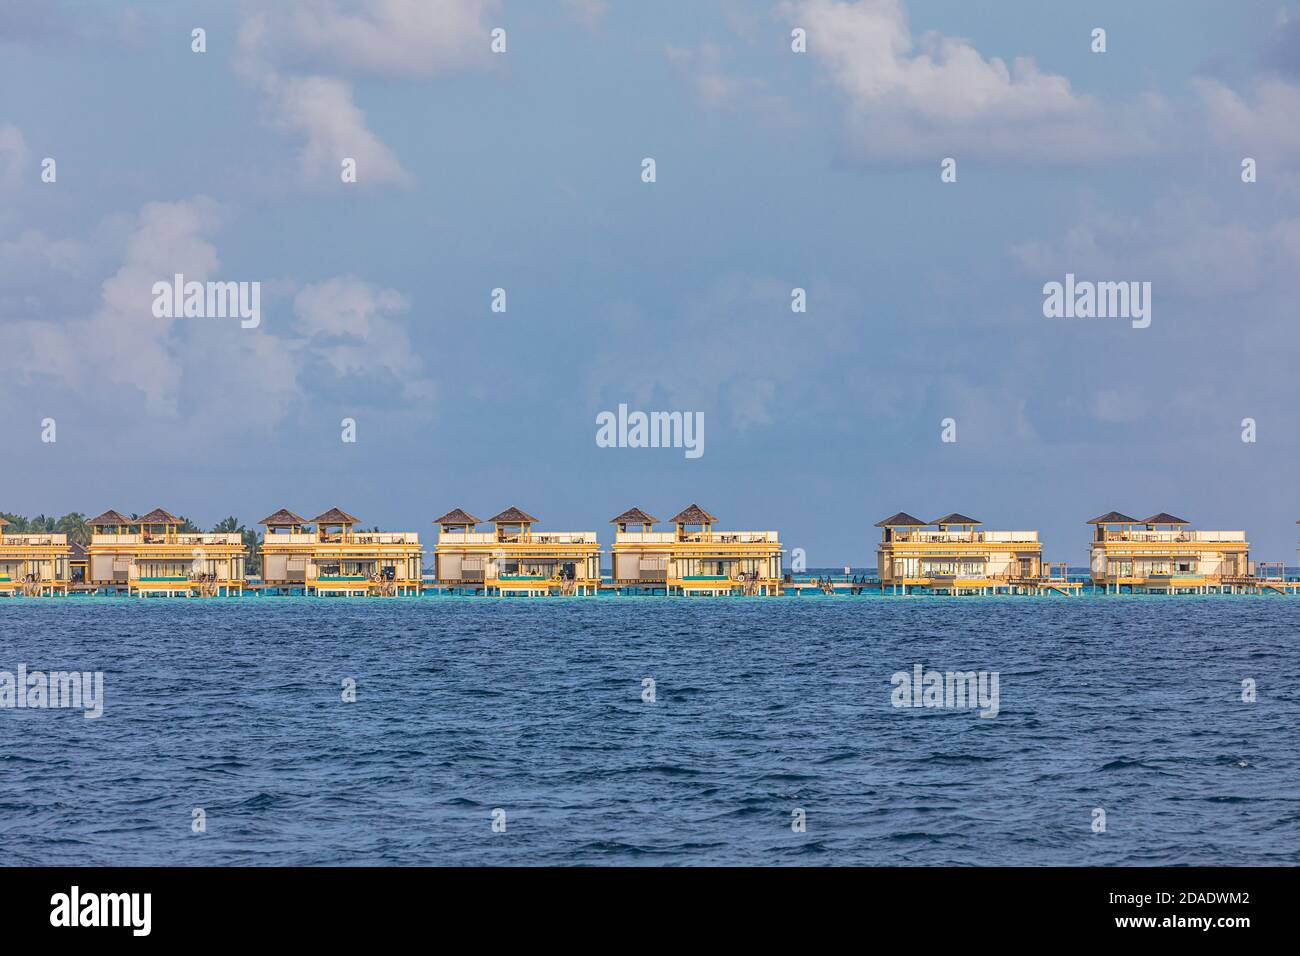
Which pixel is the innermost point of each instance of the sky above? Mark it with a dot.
(774, 170)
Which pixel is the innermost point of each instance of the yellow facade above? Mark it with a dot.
(151, 556)
(513, 558)
(1162, 554)
(954, 555)
(33, 565)
(328, 556)
(693, 558)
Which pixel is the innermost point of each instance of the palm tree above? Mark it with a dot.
(252, 544)
(73, 524)
(231, 525)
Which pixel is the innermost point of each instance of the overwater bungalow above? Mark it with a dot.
(33, 565)
(1161, 554)
(512, 558)
(326, 555)
(151, 556)
(954, 555)
(693, 558)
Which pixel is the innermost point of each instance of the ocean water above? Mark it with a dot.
(762, 708)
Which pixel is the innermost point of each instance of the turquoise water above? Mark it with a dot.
(763, 708)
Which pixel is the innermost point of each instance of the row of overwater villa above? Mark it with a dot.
(329, 556)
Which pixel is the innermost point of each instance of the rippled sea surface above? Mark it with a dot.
(762, 708)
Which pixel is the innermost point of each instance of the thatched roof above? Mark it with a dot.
(956, 518)
(901, 520)
(3, 522)
(1114, 517)
(110, 517)
(457, 516)
(693, 515)
(1163, 517)
(513, 515)
(76, 552)
(159, 516)
(637, 516)
(334, 516)
(283, 518)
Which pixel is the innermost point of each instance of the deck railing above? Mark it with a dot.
(966, 537)
(697, 537)
(1174, 537)
(26, 540)
(356, 537)
(524, 537)
(188, 539)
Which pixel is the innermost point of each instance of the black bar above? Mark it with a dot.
(333, 905)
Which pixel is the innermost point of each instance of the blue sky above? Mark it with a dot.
(774, 170)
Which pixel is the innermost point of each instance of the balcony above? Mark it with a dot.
(34, 540)
(697, 537)
(357, 537)
(175, 540)
(451, 539)
(966, 537)
(1176, 537)
(385, 537)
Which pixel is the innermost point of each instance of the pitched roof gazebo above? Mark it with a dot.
(956, 520)
(457, 519)
(637, 516)
(693, 514)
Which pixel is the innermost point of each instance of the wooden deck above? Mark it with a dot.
(793, 587)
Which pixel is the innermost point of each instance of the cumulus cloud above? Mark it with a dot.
(198, 372)
(1185, 246)
(931, 95)
(122, 344)
(302, 53)
(350, 324)
(332, 128)
(1264, 122)
(396, 38)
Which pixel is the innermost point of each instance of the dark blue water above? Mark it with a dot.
(763, 707)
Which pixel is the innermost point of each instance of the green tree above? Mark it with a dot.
(73, 524)
(253, 545)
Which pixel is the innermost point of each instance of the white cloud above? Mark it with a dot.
(401, 38)
(1184, 246)
(349, 324)
(333, 128)
(207, 377)
(936, 95)
(1265, 123)
(300, 53)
